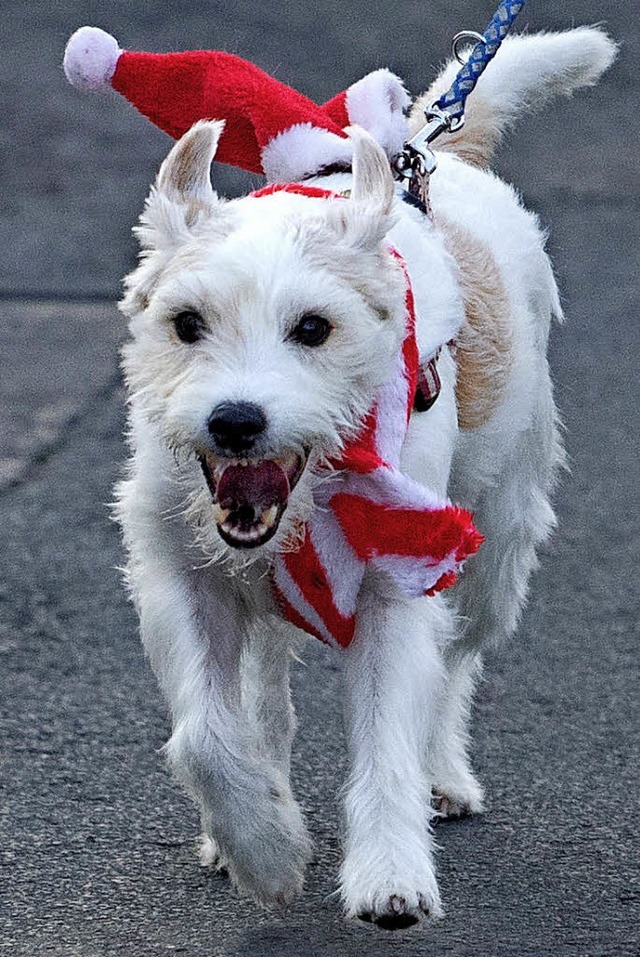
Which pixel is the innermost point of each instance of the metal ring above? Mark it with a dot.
(466, 37)
(457, 122)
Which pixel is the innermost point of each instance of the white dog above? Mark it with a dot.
(261, 330)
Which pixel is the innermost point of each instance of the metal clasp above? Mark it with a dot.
(417, 160)
(438, 121)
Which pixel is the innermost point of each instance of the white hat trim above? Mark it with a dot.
(302, 150)
(366, 102)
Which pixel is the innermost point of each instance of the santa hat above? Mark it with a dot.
(270, 128)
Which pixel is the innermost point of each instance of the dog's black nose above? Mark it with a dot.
(236, 425)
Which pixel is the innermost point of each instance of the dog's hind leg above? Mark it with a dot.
(456, 792)
(393, 675)
(515, 515)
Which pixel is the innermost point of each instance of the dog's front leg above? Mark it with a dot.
(392, 676)
(193, 629)
(266, 692)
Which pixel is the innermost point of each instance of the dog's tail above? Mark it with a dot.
(526, 71)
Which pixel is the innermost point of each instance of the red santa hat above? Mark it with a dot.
(270, 128)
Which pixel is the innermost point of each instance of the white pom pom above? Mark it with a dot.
(90, 58)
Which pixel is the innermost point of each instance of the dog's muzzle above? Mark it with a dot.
(250, 496)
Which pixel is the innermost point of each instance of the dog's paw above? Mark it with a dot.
(269, 855)
(273, 875)
(453, 800)
(210, 855)
(394, 904)
(399, 911)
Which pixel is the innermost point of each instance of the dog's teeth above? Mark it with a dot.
(215, 467)
(269, 516)
(249, 536)
(243, 462)
(220, 514)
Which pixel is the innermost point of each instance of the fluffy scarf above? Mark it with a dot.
(369, 513)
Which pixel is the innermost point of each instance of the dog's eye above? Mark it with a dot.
(189, 326)
(311, 331)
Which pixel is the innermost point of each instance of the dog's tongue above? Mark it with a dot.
(258, 485)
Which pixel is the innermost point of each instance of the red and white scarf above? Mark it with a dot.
(368, 512)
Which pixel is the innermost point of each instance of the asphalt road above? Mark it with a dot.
(96, 842)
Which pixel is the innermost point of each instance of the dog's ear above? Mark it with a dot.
(183, 194)
(367, 217)
(372, 178)
(185, 175)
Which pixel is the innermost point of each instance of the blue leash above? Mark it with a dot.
(483, 52)
(416, 161)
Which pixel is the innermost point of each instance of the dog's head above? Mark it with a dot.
(261, 330)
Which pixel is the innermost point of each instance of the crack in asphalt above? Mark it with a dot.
(17, 471)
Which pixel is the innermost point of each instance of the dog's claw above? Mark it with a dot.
(398, 914)
(399, 918)
(448, 809)
(210, 856)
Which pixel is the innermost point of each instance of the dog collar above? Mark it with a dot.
(300, 189)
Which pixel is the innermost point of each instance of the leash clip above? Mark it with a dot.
(417, 151)
(438, 121)
(416, 162)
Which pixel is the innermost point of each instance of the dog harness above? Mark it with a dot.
(368, 512)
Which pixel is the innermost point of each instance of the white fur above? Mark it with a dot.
(251, 267)
(90, 59)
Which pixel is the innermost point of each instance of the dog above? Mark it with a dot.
(262, 329)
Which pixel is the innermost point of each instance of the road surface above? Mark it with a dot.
(97, 842)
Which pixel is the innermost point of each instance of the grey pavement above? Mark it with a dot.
(96, 841)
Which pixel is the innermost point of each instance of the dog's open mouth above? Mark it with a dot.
(249, 496)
